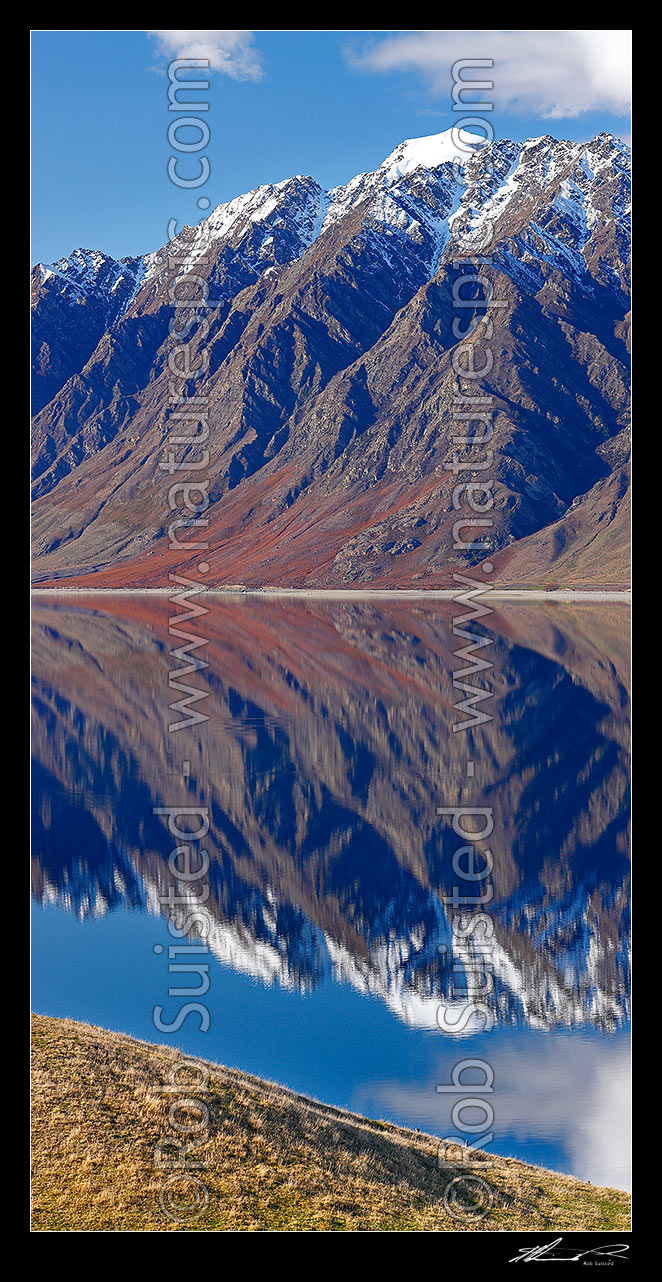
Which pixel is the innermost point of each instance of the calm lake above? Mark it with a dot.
(333, 959)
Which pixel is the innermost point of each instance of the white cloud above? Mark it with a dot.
(231, 52)
(568, 1091)
(553, 73)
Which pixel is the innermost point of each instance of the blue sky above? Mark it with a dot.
(328, 104)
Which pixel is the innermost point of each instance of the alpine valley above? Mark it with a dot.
(329, 380)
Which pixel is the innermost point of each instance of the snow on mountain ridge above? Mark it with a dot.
(430, 152)
(257, 204)
(416, 193)
(90, 268)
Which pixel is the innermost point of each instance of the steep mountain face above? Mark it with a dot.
(330, 383)
(328, 748)
(74, 302)
(591, 541)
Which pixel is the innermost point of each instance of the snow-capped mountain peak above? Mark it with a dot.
(430, 152)
(540, 206)
(89, 269)
(425, 190)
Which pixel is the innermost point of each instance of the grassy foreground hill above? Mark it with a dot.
(273, 1161)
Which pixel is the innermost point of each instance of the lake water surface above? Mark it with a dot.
(332, 947)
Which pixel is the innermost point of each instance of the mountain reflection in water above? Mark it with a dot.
(328, 747)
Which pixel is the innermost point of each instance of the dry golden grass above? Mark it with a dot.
(273, 1161)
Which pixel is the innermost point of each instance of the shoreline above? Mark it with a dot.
(343, 594)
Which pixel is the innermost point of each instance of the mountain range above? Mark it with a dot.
(329, 385)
